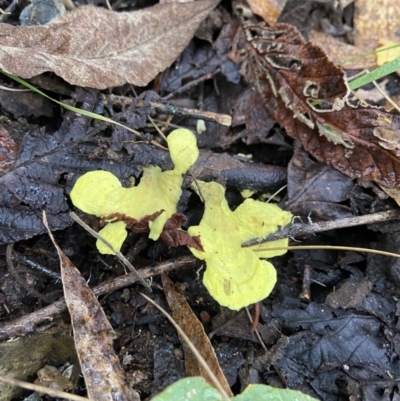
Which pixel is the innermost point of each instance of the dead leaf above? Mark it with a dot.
(249, 110)
(383, 57)
(307, 94)
(374, 21)
(8, 149)
(137, 226)
(268, 10)
(188, 322)
(93, 335)
(202, 59)
(350, 294)
(41, 12)
(339, 51)
(23, 357)
(97, 48)
(317, 190)
(393, 193)
(26, 104)
(172, 234)
(32, 183)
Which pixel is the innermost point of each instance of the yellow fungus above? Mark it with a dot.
(101, 193)
(235, 276)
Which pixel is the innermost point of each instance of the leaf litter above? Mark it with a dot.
(132, 47)
(93, 336)
(321, 337)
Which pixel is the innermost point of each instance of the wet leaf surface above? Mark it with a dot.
(316, 190)
(34, 182)
(25, 104)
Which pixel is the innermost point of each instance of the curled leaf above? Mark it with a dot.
(307, 94)
(172, 234)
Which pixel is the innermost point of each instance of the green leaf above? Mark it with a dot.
(260, 392)
(197, 389)
(190, 388)
(379, 72)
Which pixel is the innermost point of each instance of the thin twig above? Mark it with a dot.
(42, 389)
(199, 358)
(173, 110)
(28, 324)
(193, 83)
(119, 255)
(9, 10)
(301, 230)
(166, 108)
(256, 332)
(330, 247)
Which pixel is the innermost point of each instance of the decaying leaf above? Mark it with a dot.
(25, 104)
(339, 51)
(93, 335)
(317, 190)
(269, 10)
(375, 21)
(188, 322)
(307, 94)
(8, 149)
(172, 234)
(21, 358)
(32, 183)
(97, 48)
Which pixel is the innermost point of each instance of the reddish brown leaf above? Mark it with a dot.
(8, 149)
(307, 94)
(173, 235)
(97, 48)
(137, 226)
(188, 322)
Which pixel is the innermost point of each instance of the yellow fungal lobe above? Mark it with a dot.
(235, 276)
(101, 193)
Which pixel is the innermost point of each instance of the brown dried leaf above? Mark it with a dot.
(93, 335)
(188, 322)
(374, 21)
(339, 51)
(94, 47)
(172, 234)
(307, 94)
(269, 10)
